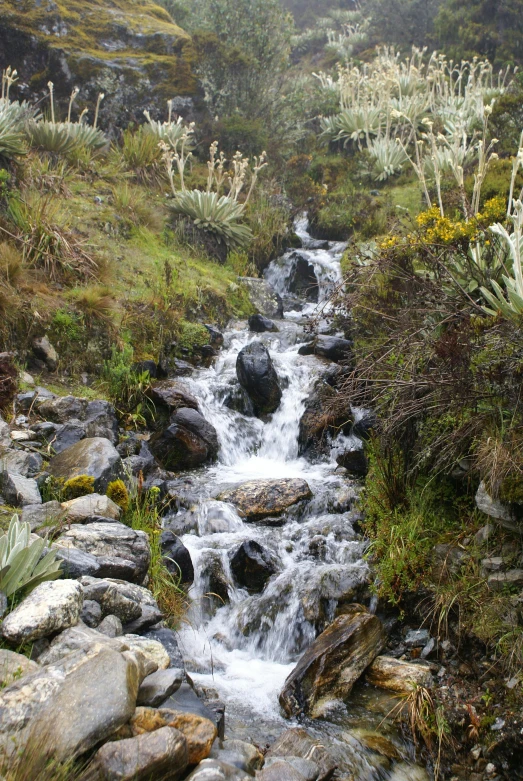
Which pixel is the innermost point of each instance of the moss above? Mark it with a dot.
(78, 486)
(511, 489)
(192, 336)
(118, 493)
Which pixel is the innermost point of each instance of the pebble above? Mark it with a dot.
(498, 724)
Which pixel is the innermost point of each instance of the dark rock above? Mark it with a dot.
(332, 347)
(303, 282)
(19, 491)
(258, 499)
(257, 375)
(238, 399)
(150, 617)
(297, 742)
(21, 462)
(76, 563)
(38, 515)
(146, 366)
(168, 639)
(212, 573)
(322, 415)
(189, 441)
(176, 557)
(333, 663)
(216, 337)
(91, 613)
(365, 422)
(172, 395)
(110, 626)
(174, 367)
(186, 700)
(68, 435)
(354, 461)
(259, 324)
(158, 686)
(94, 418)
(44, 351)
(101, 421)
(96, 457)
(252, 566)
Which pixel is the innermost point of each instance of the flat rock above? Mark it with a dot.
(19, 491)
(333, 348)
(83, 507)
(96, 457)
(160, 754)
(499, 580)
(258, 499)
(396, 675)
(158, 686)
(78, 638)
(333, 663)
(14, 666)
(259, 324)
(110, 540)
(502, 513)
(51, 607)
(297, 742)
(279, 770)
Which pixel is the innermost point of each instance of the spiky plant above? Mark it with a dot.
(11, 135)
(388, 158)
(509, 302)
(218, 215)
(22, 566)
(171, 133)
(52, 137)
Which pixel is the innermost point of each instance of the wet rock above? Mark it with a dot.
(189, 441)
(214, 770)
(200, 732)
(51, 607)
(354, 461)
(158, 686)
(19, 491)
(278, 770)
(20, 462)
(303, 282)
(39, 515)
(167, 638)
(14, 666)
(176, 557)
(252, 566)
(263, 297)
(89, 506)
(502, 513)
(80, 418)
(44, 351)
(150, 617)
(297, 742)
(45, 704)
(96, 457)
(172, 395)
(140, 367)
(500, 580)
(257, 376)
(319, 418)
(417, 638)
(259, 324)
(329, 668)
(111, 626)
(76, 563)
(407, 772)
(215, 336)
(334, 348)
(365, 422)
(398, 676)
(376, 742)
(238, 753)
(159, 754)
(212, 574)
(187, 701)
(259, 499)
(307, 769)
(91, 613)
(112, 540)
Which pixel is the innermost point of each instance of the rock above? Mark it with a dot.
(168, 640)
(404, 771)
(278, 770)
(321, 417)
(502, 513)
(189, 441)
(258, 499)
(214, 770)
(60, 707)
(78, 638)
(96, 457)
(484, 534)
(447, 561)
(308, 769)
(40, 515)
(91, 613)
(214, 579)
(44, 351)
(257, 376)
(499, 580)
(20, 462)
(263, 297)
(111, 626)
(14, 666)
(80, 418)
(152, 755)
(51, 607)
(19, 491)
(259, 324)
(365, 422)
(297, 742)
(252, 566)
(493, 564)
(172, 395)
(150, 617)
(199, 732)
(354, 461)
(140, 367)
(5, 434)
(158, 686)
(176, 557)
(303, 281)
(329, 668)
(332, 347)
(244, 756)
(151, 649)
(186, 701)
(215, 336)
(112, 601)
(67, 435)
(76, 563)
(417, 638)
(398, 676)
(376, 742)
(113, 540)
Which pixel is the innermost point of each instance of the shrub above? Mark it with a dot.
(11, 136)
(191, 336)
(118, 493)
(216, 214)
(60, 138)
(81, 485)
(125, 386)
(22, 567)
(141, 154)
(96, 304)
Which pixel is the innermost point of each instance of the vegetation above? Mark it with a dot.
(22, 566)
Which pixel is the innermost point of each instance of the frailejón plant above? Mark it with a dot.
(22, 566)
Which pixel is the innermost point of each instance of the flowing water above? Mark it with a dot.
(241, 647)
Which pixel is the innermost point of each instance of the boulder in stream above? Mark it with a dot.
(259, 499)
(252, 566)
(333, 663)
(187, 442)
(173, 395)
(334, 348)
(159, 754)
(297, 742)
(259, 324)
(257, 376)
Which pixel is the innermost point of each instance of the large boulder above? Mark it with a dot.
(96, 457)
(252, 566)
(259, 324)
(172, 395)
(334, 348)
(259, 499)
(187, 442)
(78, 418)
(303, 281)
(395, 675)
(333, 663)
(113, 541)
(72, 705)
(19, 491)
(45, 352)
(82, 508)
(176, 557)
(159, 754)
(263, 297)
(257, 376)
(51, 607)
(78, 638)
(21, 462)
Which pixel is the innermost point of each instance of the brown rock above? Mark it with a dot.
(398, 676)
(173, 395)
(146, 720)
(259, 499)
(328, 669)
(199, 732)
(160, 754)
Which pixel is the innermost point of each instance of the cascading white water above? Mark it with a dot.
(242, 646)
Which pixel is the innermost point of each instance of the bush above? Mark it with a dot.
(8, 380)
(219, 215)
(126, 387)
(141, 154)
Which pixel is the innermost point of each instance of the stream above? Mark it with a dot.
(240, 647)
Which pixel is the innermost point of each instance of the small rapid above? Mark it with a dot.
(240, 646)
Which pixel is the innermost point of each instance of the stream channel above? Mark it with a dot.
(240, 647)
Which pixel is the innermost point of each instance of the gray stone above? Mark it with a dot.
(96, 457)
(168, 640)
(172, 395)
(68, 435)
(19, 491)
(214, 770)
(111, 626)
(176, 557)
(59, 707)
(14, 666)
(150, 617)
(252, 565)
(91, 613)
(297, 742)
(84, 418)
(187, 442)
(239, 753)
(331, 347)
(158, 686)
(258, 499)
(77, 638)
(76, 563)
(83, 508)
(111, 539)
(493, 564)
(44, 351)
(151, 649)
(259, 324)
(484, 534)
(112, 601)
(417, 638)
(502, 513)
(257, 376)
(100, 420)
(159, 754)
(263, 296)
(308, 769)
(279, 770)
(5, 434)
(51, 607)
(41, 515)
(499, 580)
(21, 462)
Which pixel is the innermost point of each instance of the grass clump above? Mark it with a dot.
(118, 493)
